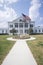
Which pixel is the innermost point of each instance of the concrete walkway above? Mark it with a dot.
(20, 54)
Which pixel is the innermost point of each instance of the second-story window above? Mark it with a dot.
(26, 24)
(20, 24)
(16, 24)
(31, 25)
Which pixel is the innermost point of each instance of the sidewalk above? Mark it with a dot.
(20, 54)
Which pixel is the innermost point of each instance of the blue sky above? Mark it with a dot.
(11, 9)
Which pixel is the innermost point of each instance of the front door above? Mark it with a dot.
(21, 31)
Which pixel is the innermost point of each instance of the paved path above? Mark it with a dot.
(20, 54)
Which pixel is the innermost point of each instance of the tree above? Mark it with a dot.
(30, 30)
(13, 31)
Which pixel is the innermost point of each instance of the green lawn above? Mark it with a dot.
(36, 47)
(5, 47)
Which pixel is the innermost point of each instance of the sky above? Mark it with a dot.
(12, 9)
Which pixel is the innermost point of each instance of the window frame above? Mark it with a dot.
(26, 25)
(31, 25)
(36, 31)
(39, 30)
(11, 25)
(26, 31)
(21, 25)
(16, 25)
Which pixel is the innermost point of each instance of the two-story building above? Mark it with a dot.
(21, 25)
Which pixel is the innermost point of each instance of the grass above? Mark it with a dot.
(5, 47)
(36, 47)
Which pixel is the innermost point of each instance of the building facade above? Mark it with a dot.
(3, 31)
(38, 30)
(21, 25)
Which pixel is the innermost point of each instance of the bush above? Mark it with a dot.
(26, 36)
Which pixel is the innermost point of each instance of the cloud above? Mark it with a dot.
(7, 15)
(1, 1)
(34, 10)
(1, 5)
(4, 25)
(41, 18)
(8, 1)
(11, 1)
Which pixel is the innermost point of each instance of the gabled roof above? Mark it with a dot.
(23, 18)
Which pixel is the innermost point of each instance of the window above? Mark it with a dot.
(16, 31)
(20, 24)
(26, 24)
(20, 19)
(12, 31)
(42, 30)
(39, 30)
(16, 24)
(27, 31)
(6, 31)
(31, 25)
(11, 25)
(2, 31)
(21, 31)
(35, 30)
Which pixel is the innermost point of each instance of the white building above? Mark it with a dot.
(21, 25)
(3, 31)
(38, 30)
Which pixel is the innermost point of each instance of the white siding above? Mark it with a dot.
(39, 29)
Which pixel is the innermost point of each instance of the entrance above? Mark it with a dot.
(21, 31)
